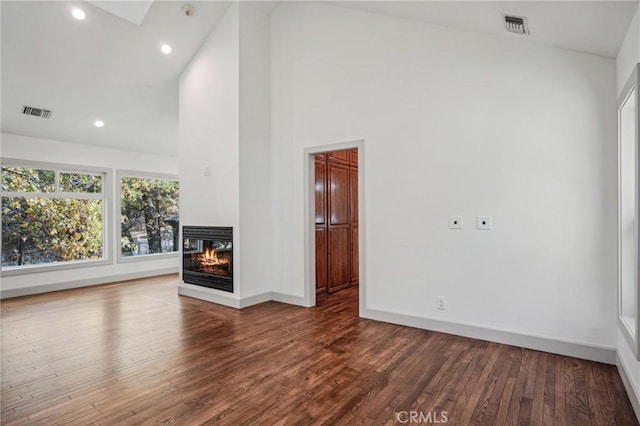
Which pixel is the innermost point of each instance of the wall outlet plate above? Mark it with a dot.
(441, 302)
(455, 222)
(483, 222)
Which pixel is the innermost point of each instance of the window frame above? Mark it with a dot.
(105, 196)
(120, 173)
(631, 332)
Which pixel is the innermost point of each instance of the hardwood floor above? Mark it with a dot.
(137, 353)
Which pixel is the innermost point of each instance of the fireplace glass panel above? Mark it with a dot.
(208, 257)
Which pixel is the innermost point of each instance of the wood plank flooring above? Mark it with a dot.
(136, 353)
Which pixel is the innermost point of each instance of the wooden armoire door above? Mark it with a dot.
(336, 220)
(321, 222)
(338, 232)
(354, 271)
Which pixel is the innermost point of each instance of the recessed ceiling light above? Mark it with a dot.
(78, 14)
(166, 49)
(99, 123)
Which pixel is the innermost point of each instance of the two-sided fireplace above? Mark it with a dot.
(207, 258)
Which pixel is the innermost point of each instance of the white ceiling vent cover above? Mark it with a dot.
(516, 24)
(36, 112)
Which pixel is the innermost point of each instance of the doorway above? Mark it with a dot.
(336, 220)
(337, 171)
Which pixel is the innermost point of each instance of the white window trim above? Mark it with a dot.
(107, 221)
(629, 331)
(120, 173)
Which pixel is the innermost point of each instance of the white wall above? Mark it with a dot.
(208, 129)
(255, 160)
(224, 125)
(46, 150)
(454, 123)
(629, 53)
(628, 57)
(209, 135)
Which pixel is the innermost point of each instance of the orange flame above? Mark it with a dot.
(210, 257)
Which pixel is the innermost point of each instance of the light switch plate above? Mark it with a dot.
(455, 222)
(483, 222)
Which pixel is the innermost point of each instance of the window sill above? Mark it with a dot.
(8, 271)
(145, 257)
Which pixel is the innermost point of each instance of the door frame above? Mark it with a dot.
(310, 224)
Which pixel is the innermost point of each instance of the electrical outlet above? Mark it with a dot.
(441, 302)
(483, 222)
(455, 222)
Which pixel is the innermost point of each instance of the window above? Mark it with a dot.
(629, 211)
(51, 215)
(149, 215)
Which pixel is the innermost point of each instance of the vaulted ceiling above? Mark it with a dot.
(595, 27)
(101, 68)
(109, 66)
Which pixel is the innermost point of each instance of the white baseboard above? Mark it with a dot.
(578, 350)
(255, 299)
(631, 390)
(289, 299)
(220, 297)
(86, 282)
(226, 299)
(209, 295)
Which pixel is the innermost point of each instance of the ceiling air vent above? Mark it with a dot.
(37, 112)
(516, 24)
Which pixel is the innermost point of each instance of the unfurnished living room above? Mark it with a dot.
(320, 212)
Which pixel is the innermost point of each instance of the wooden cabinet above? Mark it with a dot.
(338, 241)
(338, 194)
(321, 191)
(321, 222)
(321, 259)
(353, 220)
(336, 217)
(341, 157)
